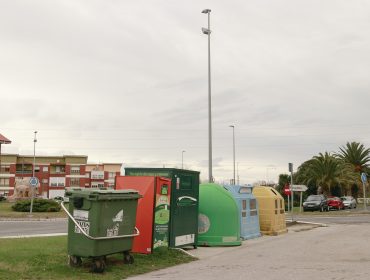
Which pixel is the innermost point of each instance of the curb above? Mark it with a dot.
(31, 219)
(33, 235)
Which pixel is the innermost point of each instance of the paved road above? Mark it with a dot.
(20, 228)
(334, 218)
(333, 252)
(16, 228)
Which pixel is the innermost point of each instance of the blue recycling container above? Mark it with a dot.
(248, 210)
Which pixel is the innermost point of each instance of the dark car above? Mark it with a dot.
(2, 197)
(335, 203)
(316, 202)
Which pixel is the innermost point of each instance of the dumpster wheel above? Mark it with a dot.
(128, 258)
(75, 261)
(98, 265)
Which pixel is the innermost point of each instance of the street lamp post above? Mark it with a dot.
(207, 31)
(33, 169)
(182, 159)
(233, 127)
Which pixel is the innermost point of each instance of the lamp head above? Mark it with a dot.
(206, 31)
(206, 11)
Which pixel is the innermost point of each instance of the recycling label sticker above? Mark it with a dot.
(118, 217)
(84, 225)
(113, 231)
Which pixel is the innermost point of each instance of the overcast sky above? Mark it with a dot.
(126, 81)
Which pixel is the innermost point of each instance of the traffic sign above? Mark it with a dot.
(34, 181)
(287, 190)
(363, 177)
(298, 188)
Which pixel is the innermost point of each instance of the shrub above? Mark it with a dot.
(39, 205)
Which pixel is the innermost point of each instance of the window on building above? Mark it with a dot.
(45, 169)
(4, 182)
(75, 182)
(59, 169)
(57, 181)
(75, 170)
(5, 169)
(37, 168)
(112, 175)
(97, 175)
(97, 185)
(45, 181)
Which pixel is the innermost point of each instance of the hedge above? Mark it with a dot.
(39, 205)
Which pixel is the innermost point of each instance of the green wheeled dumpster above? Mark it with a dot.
(101, 223)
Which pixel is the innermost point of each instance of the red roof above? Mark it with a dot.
(4, 140)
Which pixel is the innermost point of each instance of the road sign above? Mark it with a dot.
(287, 190)
(34, 181)
(363, 177)
(298, 188)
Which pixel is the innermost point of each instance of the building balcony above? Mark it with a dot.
(23, 171)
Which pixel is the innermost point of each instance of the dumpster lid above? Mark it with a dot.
(102, 194)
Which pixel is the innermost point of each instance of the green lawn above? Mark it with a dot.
(7, 212)
(46, 258)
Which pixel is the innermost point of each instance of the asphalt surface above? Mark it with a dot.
(59, 226)
(333, 252)
(30, 228)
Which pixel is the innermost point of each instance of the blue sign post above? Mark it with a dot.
(34, 181)
(364, 181)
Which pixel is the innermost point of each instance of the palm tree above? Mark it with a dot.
(355, 154)
(326, 171)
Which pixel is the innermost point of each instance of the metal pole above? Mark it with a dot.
(33, 169)
(209, 102)
(207, 31)
(364, 187)
(237, 173)
(288, 203)
(291, 184)
(300, 203)
(233, 127)
(182, 159)
(0, 158)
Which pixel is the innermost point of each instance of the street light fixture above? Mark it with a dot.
(233, 127)
(182, 159)
(207, 31)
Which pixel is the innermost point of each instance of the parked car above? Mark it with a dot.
(335, 203)
(2, 197)
(316, 202)
(349, 202)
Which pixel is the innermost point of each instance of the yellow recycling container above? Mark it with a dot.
(271, 210)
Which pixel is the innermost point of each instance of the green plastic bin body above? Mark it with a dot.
(101, 213)
(183, 229)
(219, 223)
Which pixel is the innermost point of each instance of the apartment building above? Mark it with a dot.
(103, 174)
(55, 173)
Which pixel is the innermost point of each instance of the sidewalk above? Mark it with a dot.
(208, 252)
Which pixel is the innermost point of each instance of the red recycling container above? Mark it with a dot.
(153, 210)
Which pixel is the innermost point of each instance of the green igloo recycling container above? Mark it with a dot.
(218, 220)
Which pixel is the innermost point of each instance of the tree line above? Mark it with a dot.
(337, 173)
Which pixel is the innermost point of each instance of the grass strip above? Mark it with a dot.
(46, 258)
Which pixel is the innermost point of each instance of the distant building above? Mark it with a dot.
(55, 173)
(103, 174)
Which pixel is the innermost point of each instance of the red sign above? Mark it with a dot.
(287, 190)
